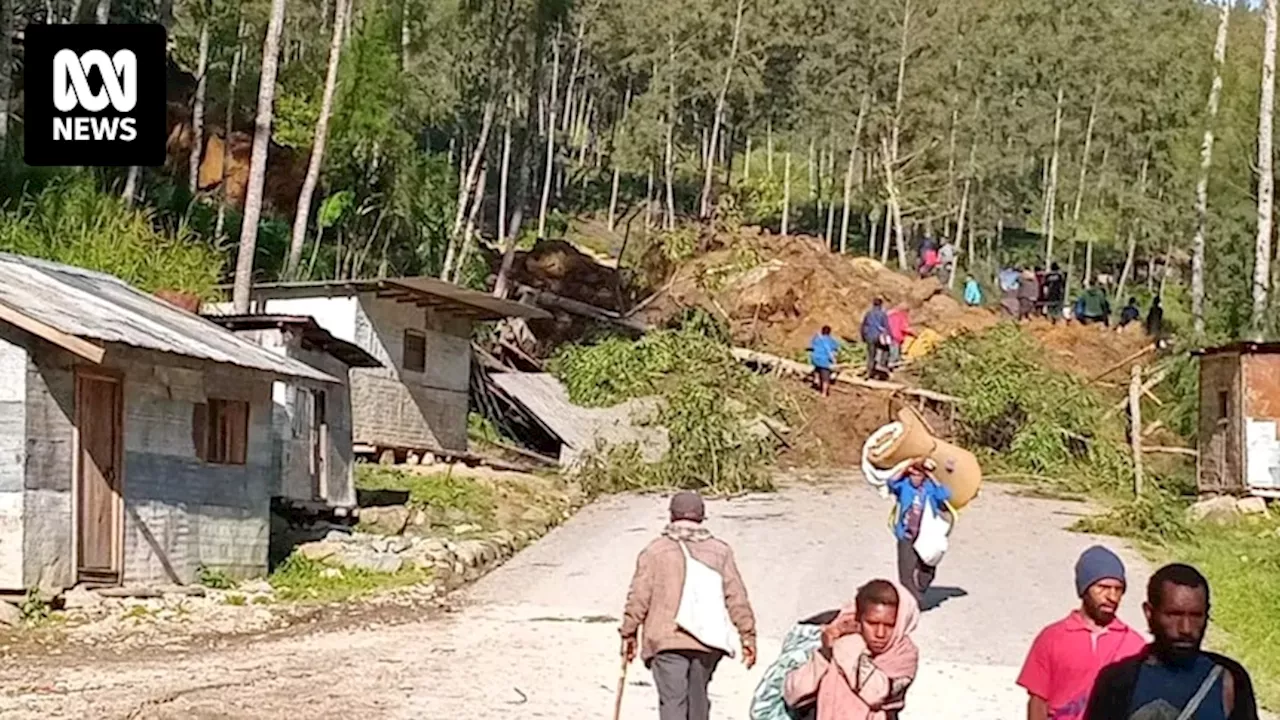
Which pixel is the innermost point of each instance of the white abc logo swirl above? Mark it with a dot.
(71, 80)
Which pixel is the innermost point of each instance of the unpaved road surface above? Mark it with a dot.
(537, 638)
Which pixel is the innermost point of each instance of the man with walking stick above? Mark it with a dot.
(678, 614)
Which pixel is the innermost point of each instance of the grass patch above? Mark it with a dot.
(1242, 562)
(214, 578)
(440, 492)
(1155, 518)
(298, 579)
(707, 398)
(235, 599)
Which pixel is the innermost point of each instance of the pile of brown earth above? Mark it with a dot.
(777, 292)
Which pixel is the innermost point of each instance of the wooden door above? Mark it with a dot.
(99, 419)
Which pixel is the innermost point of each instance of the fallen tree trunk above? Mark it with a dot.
(794, 368)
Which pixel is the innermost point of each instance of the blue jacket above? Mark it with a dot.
(935, 493)
(874, 324)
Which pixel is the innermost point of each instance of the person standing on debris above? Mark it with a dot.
(1028, 294)
(946, 259)
(917, 492)
(899, 330)
(866, 660)
(682, 665)
(1155, 319)
(822, 354)
(1172, 677)
(1130, 312)
(875, 333)
(1093, 307)
(928, 256)
(1008, 279)
(1055, 291)
(972, 292)
(1067, 656)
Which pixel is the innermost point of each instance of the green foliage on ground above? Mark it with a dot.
(1026, 418)
(706, 396)
(1156, 517)
(214, 578)
(298, 579)
(71, 221)
(1242, 562)
(441, 491)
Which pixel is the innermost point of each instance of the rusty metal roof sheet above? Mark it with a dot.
(1242, 346)
(101, 307)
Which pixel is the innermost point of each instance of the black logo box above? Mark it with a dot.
(147, 42)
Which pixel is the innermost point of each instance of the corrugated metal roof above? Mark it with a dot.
(350, 353)
(1242, 346)
(427, 292)
(98, 306)
(581, 428)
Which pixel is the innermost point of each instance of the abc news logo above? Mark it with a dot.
(95, 95)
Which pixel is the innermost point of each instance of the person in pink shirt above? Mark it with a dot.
(1067, 656)
(899, 331)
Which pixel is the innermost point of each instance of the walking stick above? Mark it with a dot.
(622, 685)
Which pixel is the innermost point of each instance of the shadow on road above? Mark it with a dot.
(935, 596)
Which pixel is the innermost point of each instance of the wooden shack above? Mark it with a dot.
(1239, 449)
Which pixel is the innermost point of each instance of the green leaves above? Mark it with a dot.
(333, 208)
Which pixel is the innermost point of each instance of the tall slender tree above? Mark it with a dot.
(1266, 176)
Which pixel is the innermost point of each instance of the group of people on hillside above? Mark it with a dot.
(858, 662)
(1029, 292)
(884, 332)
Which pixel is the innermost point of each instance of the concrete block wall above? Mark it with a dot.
(394, 407)
(180, 512)
(13, 445)
(50, 466)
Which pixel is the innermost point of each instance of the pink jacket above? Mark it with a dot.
(899, 326)
(853, 685)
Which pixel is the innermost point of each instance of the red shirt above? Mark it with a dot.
(899, 326)
(1065, 660)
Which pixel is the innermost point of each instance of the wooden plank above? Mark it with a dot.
(792, 367)
(1168, 450)
(1130, 358)
(72, 344)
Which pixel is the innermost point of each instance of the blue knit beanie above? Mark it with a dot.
(1097, 563)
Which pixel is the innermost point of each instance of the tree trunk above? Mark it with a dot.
(197, 111)
(718, 118)
(570, 120)
(469, 234)
(258, 159)
(220, 224)
(1266, 178)
(613, 199)
(669, 160)
(1202, 183)
(892, 156)
(405, 36)
(964, 209)
(468, 187)
(131, 184)
(1132, 252)
(768, 154)
(895, 211)
(831, 205)
(1051, 194)
(303, 212)
(6, 68)
(648, 201)
(502, 182)
(1084, 168)
(525, 155)
(746, 162)
(102, 12)
(550, 161)
(848, 176)
(786, 195)
(815, 200)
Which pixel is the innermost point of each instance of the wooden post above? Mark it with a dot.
(1135, 425)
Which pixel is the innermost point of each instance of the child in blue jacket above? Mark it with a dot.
(915, 490)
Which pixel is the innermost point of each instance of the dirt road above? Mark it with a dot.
(537, 638)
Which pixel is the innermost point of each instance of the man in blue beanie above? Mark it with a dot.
(1067, 656)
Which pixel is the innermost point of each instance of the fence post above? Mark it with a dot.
(1135, 425)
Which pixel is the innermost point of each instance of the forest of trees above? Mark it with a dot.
(1124, 136)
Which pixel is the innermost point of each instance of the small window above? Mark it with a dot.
(1224, 404)
(415, 351)
(220, 431)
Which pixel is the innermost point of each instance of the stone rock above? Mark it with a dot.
(331, 573)
(256, 587)
(338, 536)
(536, 516)
(1252, 506)
(389, 520)
(398, 544)
(10, 615)
(418, 518)
(79, 598)
(466, 529)
(319, 551)
(363, 559)
(1214, 509)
